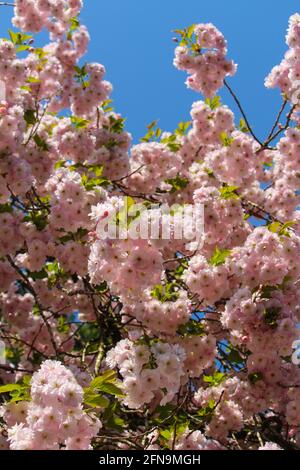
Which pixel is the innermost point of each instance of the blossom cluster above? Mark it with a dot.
(148, 371)
(54, 418)
(209, 67)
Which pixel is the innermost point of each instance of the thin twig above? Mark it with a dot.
(265, 145)
(128, 176)
(242, 112)
(277, 119)
(32, 291)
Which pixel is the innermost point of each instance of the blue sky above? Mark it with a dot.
(133, 39)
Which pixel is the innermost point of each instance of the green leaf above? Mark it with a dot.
(59, 164)
(214, 380)
(190, 31)
(174, 147)
(182, 128)
(79, 123)
(219, 257)
(288, 224)
(89, 332)
(214, 102)
(95, 401)
(123, 219)
(177, 430)
(178, 272)
(53, 267)
(265, 292)
(75, 23)
(255, 377)
(152, 125)
(40, 53)
(39, 219)
(107, 383)
(243, 126)
(116, 124)
(18, 391)
(209, 172)
(26, 88)
(30, 117)
(5, 208)
(102, 288)
(111, 419)
(56, 273)
(229, 192)
(92, 183)
(179, 31)
(268, 164)
(26, 380)
(106, 106)
(9, 388)
(109, 375)
(191, 328)
(207, 410)
(63, 325)
(98, 170)
(234, 357)
(274, 227)
(36, 310)
(111, 143)
(33, 80)
(172, 143)
(187, 36)
(165, 293)
(158, 132)
(166, 433)
(13, 36)
(178, 183)
(164, 412)
(226, 139)
(41, 143)
(115, 422)
(111, 389)
(81, 73)
(36, 275)
(271, 316)
(153, 133)
(22, 48)
(18, 38)
(22, 395)
(281, 229)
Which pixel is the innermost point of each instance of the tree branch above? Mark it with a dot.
(242, 112)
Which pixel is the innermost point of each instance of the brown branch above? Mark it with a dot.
(277, 119)
(242, 112)
(15, 369)
(34, 294)
(265, 145)
(22, 341)
(128, 176)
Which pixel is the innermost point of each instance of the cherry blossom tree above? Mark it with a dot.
(144, 342)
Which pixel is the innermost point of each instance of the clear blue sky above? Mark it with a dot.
(133, 39)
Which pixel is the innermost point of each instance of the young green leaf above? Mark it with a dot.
(226, 139)
(219, 256)
(214, 102)
(229, 192)
(30, 117)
